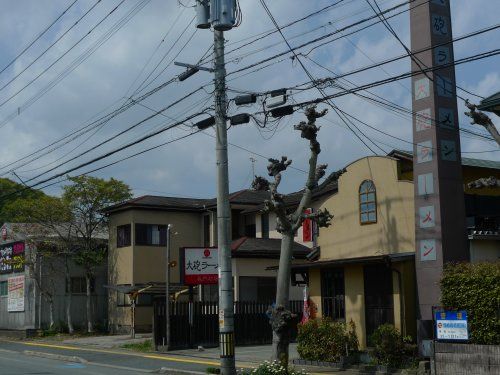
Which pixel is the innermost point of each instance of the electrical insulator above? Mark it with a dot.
(203, 14)
(223, 14)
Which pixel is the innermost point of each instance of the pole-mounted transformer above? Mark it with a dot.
(203, 14)
(220, 14)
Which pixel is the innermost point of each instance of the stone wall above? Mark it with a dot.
(466, 359)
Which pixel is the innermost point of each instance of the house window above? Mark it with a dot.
(206, 230)
(264, 219)
(123, 235)
(122, 299)
(332, 293)
(150, 234)
(145, 300)
(79, 285)
(257, 289)
(367, 203)
(3, 288)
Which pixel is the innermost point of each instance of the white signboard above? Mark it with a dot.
(15, 297)
(201, 266)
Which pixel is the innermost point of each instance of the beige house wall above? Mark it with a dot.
(355, 298)
(143, 264)
(394, 231)
(257, 267)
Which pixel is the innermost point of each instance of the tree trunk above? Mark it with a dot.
(90, 326)
(69, 321)
(51, 313)
(281, 316)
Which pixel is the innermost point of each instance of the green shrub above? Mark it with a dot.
(391, 349)
(476, 289)
(213, 370)
(271, 368)
(325, 340)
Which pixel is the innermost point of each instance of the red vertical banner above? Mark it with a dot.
(307, 227)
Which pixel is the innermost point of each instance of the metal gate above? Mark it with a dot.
(197, 323)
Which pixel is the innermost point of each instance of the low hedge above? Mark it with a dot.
(476, 289)
(325, 340)
(391, 349)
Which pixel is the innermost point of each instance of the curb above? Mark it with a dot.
(58, 357)
(173, 371)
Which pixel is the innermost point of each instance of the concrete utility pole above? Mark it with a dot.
(226, 302)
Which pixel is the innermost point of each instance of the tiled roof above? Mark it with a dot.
(469, 162)
(157, 202)
(264, 248)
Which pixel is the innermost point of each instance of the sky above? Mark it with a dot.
(84, 76)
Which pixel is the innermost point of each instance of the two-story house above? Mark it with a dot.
(137, 251)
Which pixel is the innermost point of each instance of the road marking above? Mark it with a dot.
(173, 359)
(150, 356)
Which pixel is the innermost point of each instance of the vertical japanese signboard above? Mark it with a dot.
(15, 296)
(201, 266)
(439, 198)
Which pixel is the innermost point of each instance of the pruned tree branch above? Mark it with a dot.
(481, 118)
(487, 182)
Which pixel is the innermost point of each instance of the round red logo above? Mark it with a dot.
(206, 253)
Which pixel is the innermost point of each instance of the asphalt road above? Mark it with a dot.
(15, 360)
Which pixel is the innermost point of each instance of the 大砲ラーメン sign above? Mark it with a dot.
(451, 325)
(201, 266)
(12, 257)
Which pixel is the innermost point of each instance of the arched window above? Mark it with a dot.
(367, 203)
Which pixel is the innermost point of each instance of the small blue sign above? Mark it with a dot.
(451, 325)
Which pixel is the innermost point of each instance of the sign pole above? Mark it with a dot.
(167, 289)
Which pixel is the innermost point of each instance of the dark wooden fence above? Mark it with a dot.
(197, 323)
(465, 359)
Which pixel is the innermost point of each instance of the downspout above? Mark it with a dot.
(402, 307)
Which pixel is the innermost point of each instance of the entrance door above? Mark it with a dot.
(379, 303)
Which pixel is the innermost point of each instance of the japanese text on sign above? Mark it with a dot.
(201, 266)
(451, 325)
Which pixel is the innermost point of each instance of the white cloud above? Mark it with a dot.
(187, 167)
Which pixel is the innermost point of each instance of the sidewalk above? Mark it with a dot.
(247, 354)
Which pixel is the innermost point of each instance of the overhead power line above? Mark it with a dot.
(42, 33)
(333, 106)
(77, 62)
(59, 58)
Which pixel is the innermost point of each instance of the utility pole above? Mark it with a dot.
(253, 160)
(167, 290)
(221, 15)
(226, 303)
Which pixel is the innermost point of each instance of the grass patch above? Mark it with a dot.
(145, 346)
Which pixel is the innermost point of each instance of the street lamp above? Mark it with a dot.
(491, 104)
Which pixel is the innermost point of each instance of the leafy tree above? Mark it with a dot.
(76, 227)
(51, 232)
(288, 222)
(7, 187)
(86, 197)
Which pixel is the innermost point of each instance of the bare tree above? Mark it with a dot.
(288, 222)
(481, 118)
